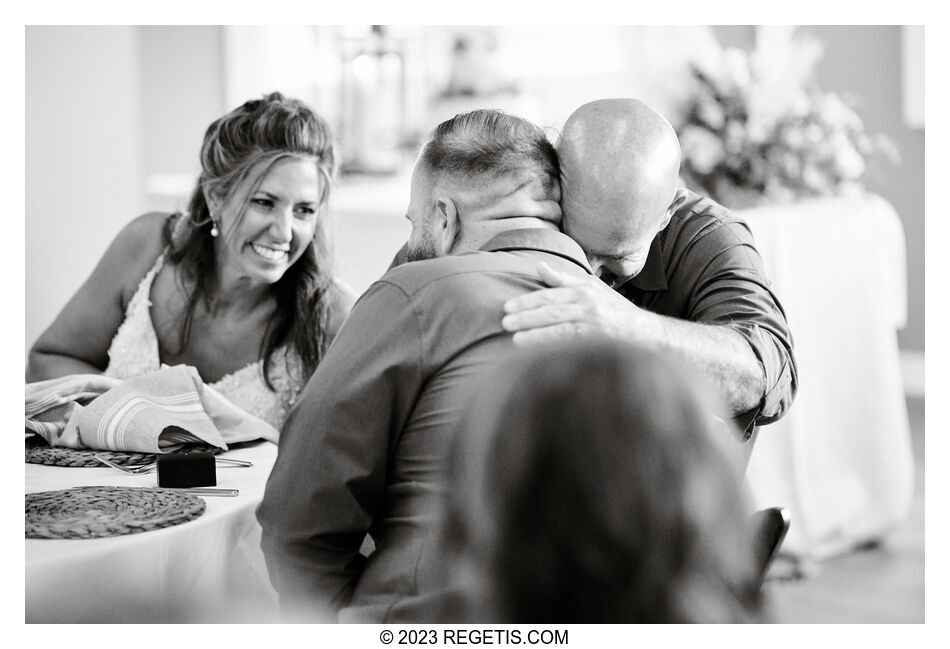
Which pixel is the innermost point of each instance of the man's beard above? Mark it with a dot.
(424, 250)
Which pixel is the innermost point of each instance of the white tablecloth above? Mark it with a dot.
(841, 458)
(210, 569)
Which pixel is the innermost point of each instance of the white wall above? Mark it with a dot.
(867, 61)
(83, 157)
(110, 113)
(182, 93)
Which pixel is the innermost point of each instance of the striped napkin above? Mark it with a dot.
(92, 411)
(50, 404)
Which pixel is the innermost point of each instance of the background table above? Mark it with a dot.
(841, 459)
(210, 569)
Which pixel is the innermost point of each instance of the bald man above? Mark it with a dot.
(677, 271)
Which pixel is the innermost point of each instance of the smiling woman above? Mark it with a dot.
(240, 286)
(268, 234)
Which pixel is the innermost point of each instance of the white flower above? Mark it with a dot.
(813, 179)
(735, 137)
(813, 135)
(758, 132)
(791, 165)
(710, 111)
(793, 138)
(736, 63)
(849, 162)
(835, 112)
(823, 154)
(800, 104)
(766, 107)
(701, 148)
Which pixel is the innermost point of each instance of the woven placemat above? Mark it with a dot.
(97, 512)
(59, 456)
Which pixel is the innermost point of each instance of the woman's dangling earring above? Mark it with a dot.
(214, 227)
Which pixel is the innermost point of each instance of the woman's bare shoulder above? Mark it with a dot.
(144, 233)
(136, 247)
(85, 327)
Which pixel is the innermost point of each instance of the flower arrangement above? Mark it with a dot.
(757, 129)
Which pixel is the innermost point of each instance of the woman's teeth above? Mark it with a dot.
(269, 253)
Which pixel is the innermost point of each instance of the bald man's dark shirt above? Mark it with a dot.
(704, 267)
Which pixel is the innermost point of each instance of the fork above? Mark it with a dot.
(148, 468)
(138, 470)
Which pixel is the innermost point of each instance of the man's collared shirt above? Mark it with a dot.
(704, 267)
(365, 448)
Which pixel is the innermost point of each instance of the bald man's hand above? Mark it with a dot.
(579, 306)
(573, 306)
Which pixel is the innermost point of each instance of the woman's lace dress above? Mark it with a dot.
(134, 351)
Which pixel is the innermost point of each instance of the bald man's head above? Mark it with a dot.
(619, 174)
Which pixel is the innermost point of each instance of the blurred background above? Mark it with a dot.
(115, 115)
(796, 126)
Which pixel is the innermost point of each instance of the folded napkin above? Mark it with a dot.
(50, 404)
(93, 411)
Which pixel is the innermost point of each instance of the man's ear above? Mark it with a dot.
(448, 226)
(679, 198)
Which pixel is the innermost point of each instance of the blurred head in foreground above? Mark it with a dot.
(587, 487)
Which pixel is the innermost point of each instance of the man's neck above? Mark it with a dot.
(476, 235)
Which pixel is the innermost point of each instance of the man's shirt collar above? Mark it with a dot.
(540, 239)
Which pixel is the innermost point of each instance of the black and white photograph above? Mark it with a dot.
(474, 333)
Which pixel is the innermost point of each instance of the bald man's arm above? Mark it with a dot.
(586, 306)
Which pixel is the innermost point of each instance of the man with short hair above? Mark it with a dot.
(680, 272)
(365, 447)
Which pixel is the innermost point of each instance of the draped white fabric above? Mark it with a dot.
(841, 458)
(210, 569)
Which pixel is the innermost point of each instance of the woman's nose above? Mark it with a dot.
(281, 226)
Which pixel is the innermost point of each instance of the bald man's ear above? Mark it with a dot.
(679, 198)
(447, 225)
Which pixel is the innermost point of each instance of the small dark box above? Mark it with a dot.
(186, 470)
